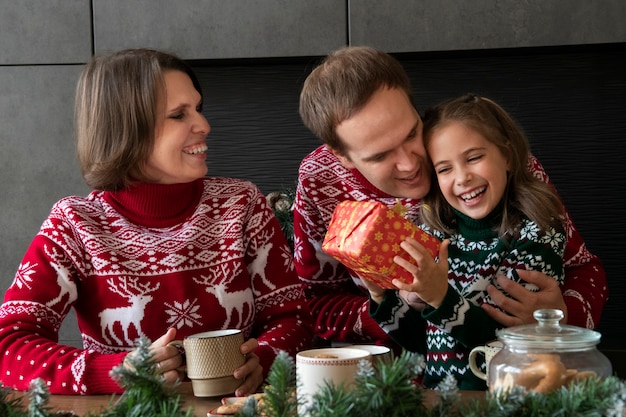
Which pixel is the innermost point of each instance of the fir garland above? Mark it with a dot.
(281, 202)
(387, 389)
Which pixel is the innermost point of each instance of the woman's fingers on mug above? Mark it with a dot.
(249, 346)
(249, 367)
(251, 382)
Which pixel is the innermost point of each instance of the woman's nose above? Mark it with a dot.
(202, 125)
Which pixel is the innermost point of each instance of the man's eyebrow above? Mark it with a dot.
(374, 157)
(380, 155)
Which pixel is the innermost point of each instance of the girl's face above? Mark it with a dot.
(471, 171)
(179, 153)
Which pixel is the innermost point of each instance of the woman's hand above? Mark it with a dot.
(521, 303)
(167, 359)
(430, 278)
(251, 371)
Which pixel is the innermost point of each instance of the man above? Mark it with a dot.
(359, 103)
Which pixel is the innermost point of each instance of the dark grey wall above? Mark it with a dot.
(569, 100)
(43, 45)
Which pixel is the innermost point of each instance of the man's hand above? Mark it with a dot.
(377, 293)
(521, 303)
(413, 300)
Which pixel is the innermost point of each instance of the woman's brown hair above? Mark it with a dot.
(525, 195)
(118, 99)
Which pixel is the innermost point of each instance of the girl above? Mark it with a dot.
(495, 217)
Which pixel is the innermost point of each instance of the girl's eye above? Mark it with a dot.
(177, 116)
(442, 170)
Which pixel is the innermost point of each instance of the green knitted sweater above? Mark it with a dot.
(476, 254)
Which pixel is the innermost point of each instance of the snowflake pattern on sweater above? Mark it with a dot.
(199, 256)
(338, 301)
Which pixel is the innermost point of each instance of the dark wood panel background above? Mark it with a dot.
(570, 101)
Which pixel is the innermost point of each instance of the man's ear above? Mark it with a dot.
(345, 161)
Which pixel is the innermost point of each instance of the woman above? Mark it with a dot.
(156, 250)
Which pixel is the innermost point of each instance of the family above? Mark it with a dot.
(160, 250)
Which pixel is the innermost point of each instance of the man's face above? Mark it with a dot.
(383, 141)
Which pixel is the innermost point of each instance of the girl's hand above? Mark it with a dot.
(430, 278)
(251, 372)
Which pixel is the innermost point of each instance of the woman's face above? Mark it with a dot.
(179, 153)
(471, 171)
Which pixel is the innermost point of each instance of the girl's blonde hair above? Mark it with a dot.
(525, 195)
(119, 98)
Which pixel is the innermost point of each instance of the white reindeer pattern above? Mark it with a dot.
(63, 280)
(137, 295)
(231, 302)
(259, 264)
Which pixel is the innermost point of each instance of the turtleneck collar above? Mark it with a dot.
(156, 205)
(480, 229)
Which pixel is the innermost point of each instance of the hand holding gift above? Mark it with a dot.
(430, 278)
(367, 236)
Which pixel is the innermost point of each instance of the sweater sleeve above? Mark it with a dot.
(42, 293)
(466, 322)
(282, 318)
(585, 287)
(404, 324)
(339, 307)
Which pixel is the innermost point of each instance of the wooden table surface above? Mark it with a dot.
(82, 404)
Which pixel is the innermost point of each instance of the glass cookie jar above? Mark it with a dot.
(545, 356)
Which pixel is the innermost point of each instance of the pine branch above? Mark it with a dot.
(280, 396)
(10, 407)
(38, 396)
(145, 393)
(386, 390)
(281, 203)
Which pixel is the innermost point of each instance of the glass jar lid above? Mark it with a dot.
(549, 334)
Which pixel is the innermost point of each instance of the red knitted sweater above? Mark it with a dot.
(198, 256)
(338, 301)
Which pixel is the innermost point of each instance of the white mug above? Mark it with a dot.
(315, 367)
(380, 354)
(489, 350)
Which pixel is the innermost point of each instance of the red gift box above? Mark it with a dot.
(365, 237)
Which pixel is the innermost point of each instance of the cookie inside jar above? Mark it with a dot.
(546, 356)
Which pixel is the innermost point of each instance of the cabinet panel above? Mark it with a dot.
(423, 25)
(45, 32)
(38, 163)
(202, 29)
